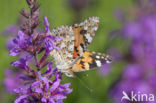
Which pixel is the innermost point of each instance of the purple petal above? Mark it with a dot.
(65, 91)
(38, 90)
(68, 90)
(15, 51)
(46, 82)
(20, 63)
(10, 44)
(21, 90)
(49, 68)
(51, 100)
(55, 85)
(18, 100)
(46, 24)
(59, 101)
(37, 83)
(58, 96)
(44, 100)
(66, 85)
(22, 36)
(11, 30)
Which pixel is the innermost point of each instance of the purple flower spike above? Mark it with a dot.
(11, 30)
(23, 42)
(33, 48)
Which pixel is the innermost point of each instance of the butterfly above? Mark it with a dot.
(73, 55)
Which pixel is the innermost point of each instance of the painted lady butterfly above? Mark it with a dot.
(73, 55)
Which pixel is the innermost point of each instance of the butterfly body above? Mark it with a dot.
(73, 55)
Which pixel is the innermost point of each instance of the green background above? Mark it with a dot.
(59, 13)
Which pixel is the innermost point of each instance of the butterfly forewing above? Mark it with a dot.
(84, 33)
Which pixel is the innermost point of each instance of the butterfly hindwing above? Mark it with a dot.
(90, 60)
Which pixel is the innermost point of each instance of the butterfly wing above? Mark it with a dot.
(75, 40)
(84, 33)
(90, 60)
(64, 56)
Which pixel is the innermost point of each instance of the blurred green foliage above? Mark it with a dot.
(59, 13)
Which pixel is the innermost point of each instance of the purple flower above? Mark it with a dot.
(132, 72)
(45, 89)
(22, 62)
(12, 80)
(11, 30)
(23, 42)
(11, 43)
(50, 39)
(139, 73)
(143, 29)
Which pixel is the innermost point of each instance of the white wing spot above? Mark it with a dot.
(95, 28)
(86, 28)
(63, 45)
(98, 63)
(70, 48)
(102, 57)
(107, 61)
(98, 57)
(69, 55)
(88, 37)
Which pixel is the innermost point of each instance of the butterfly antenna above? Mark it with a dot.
(84, 84)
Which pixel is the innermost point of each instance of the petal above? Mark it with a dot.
(51, 100)
(18, 100)
(46, 82)
(58, 96)
(21, 90)
(21, 36)
(49, 68)
(15, 51)
(38, 90)
(68, 91)
(59, 101)
(20, 63)
(10, 43)
(44, 100)
(55, 85)
(46, 24)
(66, 85)
(37, 83)
(49, 71)
(65, 91)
